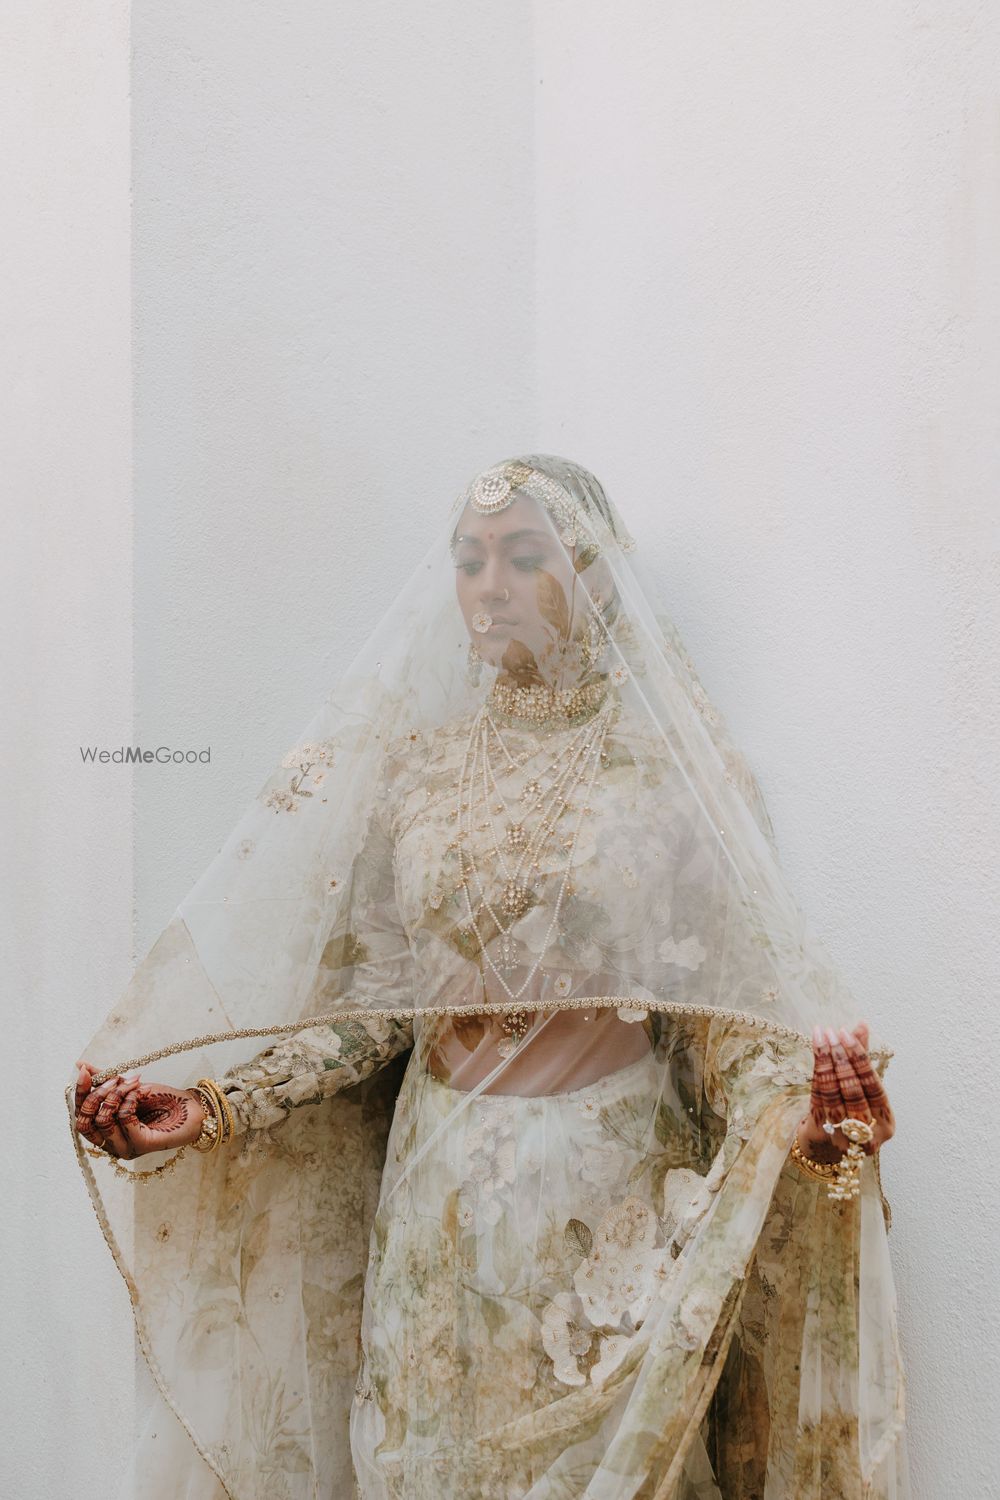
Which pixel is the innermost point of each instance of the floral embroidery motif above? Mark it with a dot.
(303, 757)
(565, 1339)
(614, 1282)
(687, 954)
(491, 1149)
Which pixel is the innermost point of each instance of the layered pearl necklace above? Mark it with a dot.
(546, 798)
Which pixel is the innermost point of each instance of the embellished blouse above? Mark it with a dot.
(631, 924)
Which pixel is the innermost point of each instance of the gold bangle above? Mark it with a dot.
(210, 1137)
(227, 1110)
(819, 1171)
(223, 1112)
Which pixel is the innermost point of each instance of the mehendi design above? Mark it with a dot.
(851, 1092)
(161, 1111)
(825, 1100)
(871, 1083)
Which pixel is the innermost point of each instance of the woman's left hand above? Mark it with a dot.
(844, 1083)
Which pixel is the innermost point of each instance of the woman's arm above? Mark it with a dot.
(310, 1065)
(366, 963)
(133, 1118)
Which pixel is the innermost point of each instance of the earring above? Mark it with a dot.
(506, 596)
(473, 665)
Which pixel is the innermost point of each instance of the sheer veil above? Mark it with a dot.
(514, 884)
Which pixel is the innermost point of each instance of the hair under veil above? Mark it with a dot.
(511, 1005)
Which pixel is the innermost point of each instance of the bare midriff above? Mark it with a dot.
(562, 1051)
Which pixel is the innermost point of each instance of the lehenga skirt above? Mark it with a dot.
(485, 1214)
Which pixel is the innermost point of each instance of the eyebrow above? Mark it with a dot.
(513, 536)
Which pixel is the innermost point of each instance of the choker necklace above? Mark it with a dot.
(544, 705)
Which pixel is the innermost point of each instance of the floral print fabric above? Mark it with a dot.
(618, 1289)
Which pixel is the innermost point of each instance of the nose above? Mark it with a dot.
(491, 589)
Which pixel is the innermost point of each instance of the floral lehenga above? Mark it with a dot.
(476, 1249)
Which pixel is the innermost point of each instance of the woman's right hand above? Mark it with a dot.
(131, 1118)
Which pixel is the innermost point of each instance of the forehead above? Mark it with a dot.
(523, 513)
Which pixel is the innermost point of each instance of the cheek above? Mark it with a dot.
(463, 592)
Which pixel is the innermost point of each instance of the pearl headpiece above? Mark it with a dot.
(494, 489)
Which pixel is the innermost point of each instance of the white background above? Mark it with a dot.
(278, 279)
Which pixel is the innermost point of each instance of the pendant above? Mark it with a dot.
(506, 953)
(514, 899)
(515, 1029)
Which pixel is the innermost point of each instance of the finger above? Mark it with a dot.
(92, 1103)
(851, 1093)
(108, 1110)
(127, 1111)
(107, 1115)
(119, 1136)
(82, 1086)
(875, 1095)
(824, 1099)
(85, 1120)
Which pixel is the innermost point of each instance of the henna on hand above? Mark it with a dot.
(131, 1118)
(873, 1089)
(852, 1095)
(871, 1083)
(844, 1083)
(163, 1110)
(824, 1099)
(107, 1113)
(86, 1114)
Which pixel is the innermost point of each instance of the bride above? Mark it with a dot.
(557, 1175)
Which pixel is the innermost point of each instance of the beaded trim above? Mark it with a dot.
(492, 1008)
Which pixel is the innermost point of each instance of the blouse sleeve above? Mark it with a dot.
(371, 944)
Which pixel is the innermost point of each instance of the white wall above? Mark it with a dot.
(66, 631)
(741, 261)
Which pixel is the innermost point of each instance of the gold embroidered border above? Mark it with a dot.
(359, 1013)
